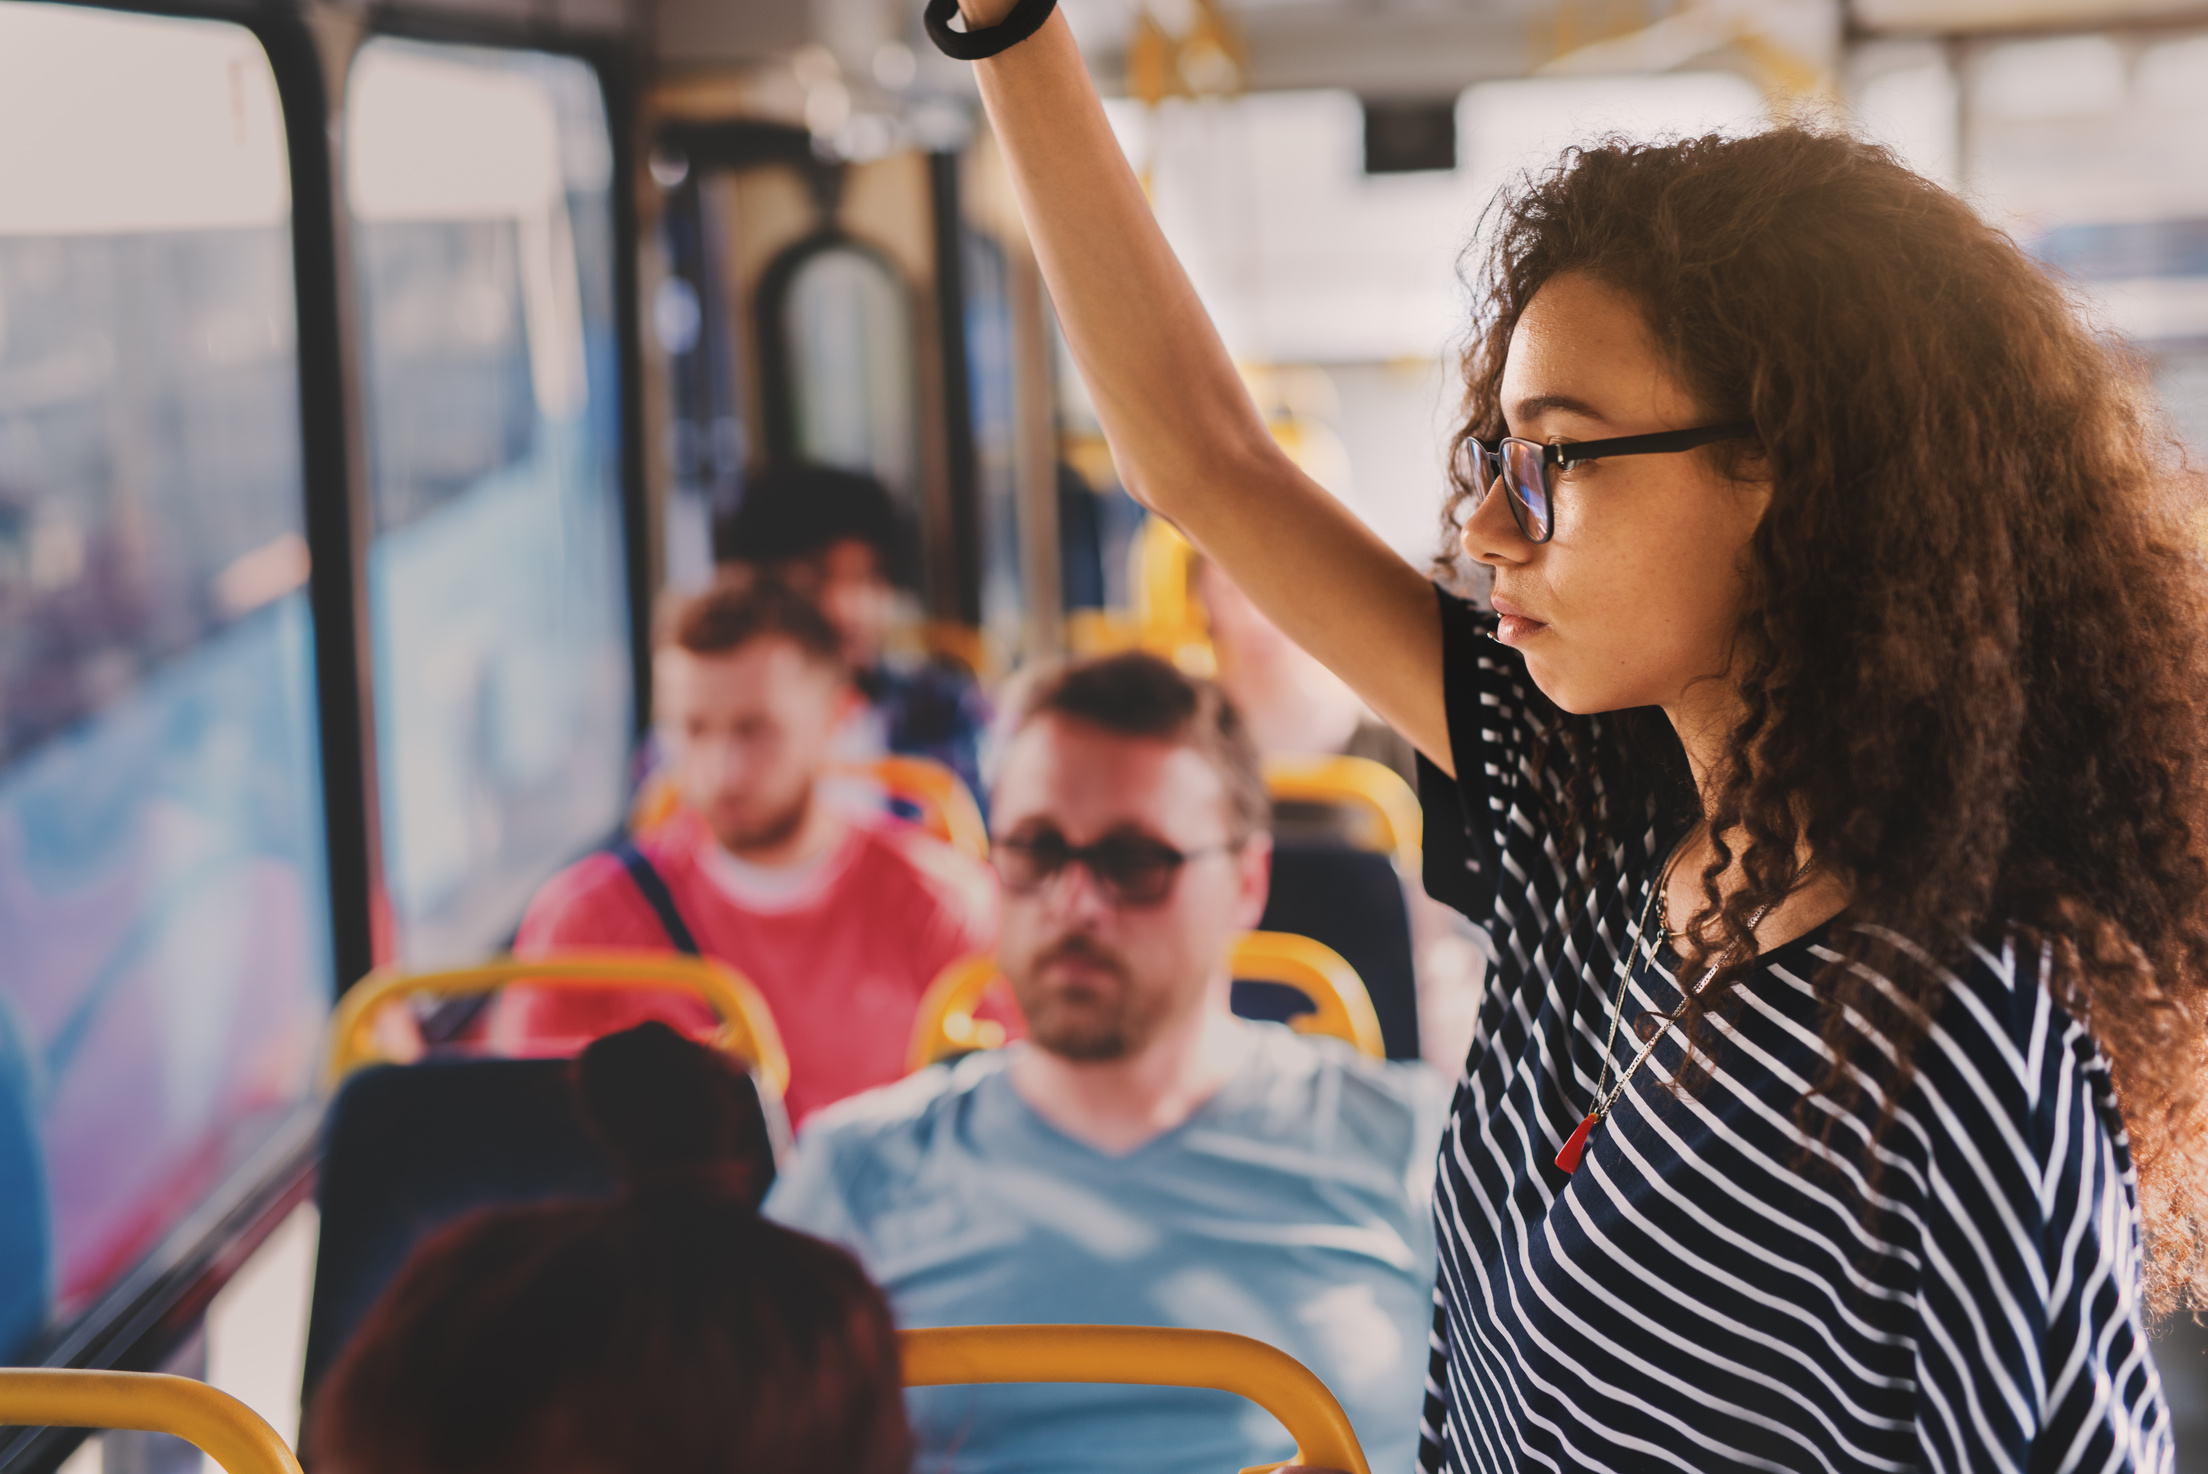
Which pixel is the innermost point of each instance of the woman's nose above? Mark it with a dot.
(1491, 534)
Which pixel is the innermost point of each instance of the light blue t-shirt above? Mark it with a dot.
(1292, 1207)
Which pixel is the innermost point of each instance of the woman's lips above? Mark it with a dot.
(1515, 628)
(1516, 624)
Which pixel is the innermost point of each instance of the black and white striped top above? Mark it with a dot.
(1690, 1298)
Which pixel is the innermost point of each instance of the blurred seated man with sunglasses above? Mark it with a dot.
(1145, 1157)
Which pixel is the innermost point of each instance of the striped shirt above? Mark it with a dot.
(1713, 1289)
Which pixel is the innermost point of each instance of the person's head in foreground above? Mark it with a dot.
(672, 1329)
(1131, 846)
(1923, 608)
(750, 685)
(831, 535)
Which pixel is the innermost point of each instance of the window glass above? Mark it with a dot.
(481, 189)
(2093, 151)
(162, 888)
(991, 386)
(851, 370)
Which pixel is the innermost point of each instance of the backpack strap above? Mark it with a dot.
(653, 887)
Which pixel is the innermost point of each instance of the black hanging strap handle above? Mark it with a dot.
(1022, 21)
(653, 887)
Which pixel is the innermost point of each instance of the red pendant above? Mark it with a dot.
(1567, 1160)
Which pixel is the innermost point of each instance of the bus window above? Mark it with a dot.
(2105, 178)
(481, 189)
(162, 873)
(848, 329)
(993, 395)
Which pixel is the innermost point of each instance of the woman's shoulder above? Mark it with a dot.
(2003, 1069)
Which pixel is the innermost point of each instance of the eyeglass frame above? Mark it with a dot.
(1176, 861)
(1565, 454)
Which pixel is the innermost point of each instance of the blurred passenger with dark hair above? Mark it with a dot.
(840, 921)
(670, 1329)
(1145, 1158)
(836, 537)
(1291, 703)
(1296, 707)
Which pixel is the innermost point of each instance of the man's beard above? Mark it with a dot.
(1087, 1021)
(775, 829)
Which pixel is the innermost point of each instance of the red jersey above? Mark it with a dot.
(842, 958)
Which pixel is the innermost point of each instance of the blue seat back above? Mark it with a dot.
(1352, 900)
(407, 1149)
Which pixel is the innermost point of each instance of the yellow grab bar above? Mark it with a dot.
(747, 1025)
(947, 810)
(223, 1428)
(1374, 790)
(1149, 1356)
(1340, 1006)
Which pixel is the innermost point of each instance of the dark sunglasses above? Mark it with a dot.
(1131, 870)
(1527, 468)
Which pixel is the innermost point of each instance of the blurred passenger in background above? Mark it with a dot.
(835, 537)
(1296, 707)
(1291, 703)
(840, 921)
(1146, 1158)
(671, 1329)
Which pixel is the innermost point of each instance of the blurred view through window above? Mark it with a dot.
(162, 888)
(481, 188)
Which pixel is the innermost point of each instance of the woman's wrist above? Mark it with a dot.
(980, 14)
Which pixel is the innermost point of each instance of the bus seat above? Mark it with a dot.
(407, 1149)
(919, 788)
(1351, 900)
(1149, 1356)
(747, 1026)
(223, 1428)
(946, 1027)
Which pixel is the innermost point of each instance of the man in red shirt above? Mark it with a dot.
(841, 922)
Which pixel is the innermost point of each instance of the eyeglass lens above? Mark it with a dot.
(1523, 469)
(1130, 870)
(1526, 481)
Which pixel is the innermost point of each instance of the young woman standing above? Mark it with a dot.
(1828, 773)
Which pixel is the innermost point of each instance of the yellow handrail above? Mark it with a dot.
(1149, 1356)
(1393, 818)
(223, 1428)
(1340, 1006)
(747, 1026)
(945, 1024)
(947, 808)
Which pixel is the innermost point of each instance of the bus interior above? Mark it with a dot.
(369, 370)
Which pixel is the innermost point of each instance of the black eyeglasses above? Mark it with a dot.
(1525, 466)
(1130, 869)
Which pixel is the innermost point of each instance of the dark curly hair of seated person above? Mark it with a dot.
(669, 1329)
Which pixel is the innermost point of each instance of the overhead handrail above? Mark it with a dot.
(747, 1025)
(1148, 1356)
(1394, 822)
(1340, 1007)
(219, 1425)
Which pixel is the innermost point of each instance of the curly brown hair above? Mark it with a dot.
(1970, 655)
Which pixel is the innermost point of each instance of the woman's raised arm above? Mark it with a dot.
(1186, 437)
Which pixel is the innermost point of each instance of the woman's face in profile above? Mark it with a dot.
(1635, 598)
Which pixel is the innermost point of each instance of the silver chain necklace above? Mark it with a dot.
(1575, 1146)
